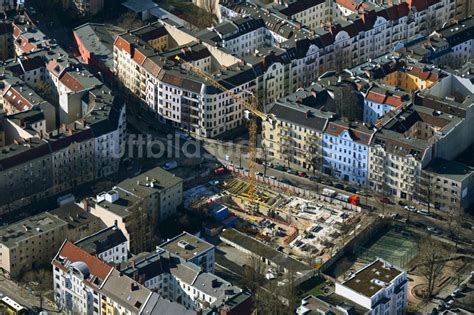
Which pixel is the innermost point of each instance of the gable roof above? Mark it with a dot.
(70, 253)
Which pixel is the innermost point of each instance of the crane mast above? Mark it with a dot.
(250, 106)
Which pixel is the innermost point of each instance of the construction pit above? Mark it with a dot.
(308, 228)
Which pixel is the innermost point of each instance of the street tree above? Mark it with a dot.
(433, 259)
(40, 280)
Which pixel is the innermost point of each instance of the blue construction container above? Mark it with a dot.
(219, 212)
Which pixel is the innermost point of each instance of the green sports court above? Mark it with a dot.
(395, 247)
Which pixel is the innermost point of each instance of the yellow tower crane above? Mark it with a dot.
(252, 113)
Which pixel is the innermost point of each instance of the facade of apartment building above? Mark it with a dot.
(449, 185)
(7, 5)
(109, 245)
(193, 249)
(379, 287)
(379, 101)
(137, 204)
(293, 134)
(31, 243)
(180, 281)
(86, 285)
(346, 151)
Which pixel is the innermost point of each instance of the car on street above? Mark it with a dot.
(385, 200)
(280, 167)
(420, 225)
(259, 174)
(302, 174)
(314, 179)
(339, 186)
(351, 189)
(272, 177)
(285, 181)
(410, 208)
(292, 172)
(268, 164)
(423, 212)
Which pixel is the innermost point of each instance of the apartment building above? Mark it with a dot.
(109, 244)
(381, 100)
(450, 46)
(137, 204)
(333, 304)
(7, 5)
(84, 284)
(192, 249)
(32, 242)
(345, 151)
(310, 13)
(293, 135)
(377, 288)
(180, 281)
(240, 36)
(450, 183)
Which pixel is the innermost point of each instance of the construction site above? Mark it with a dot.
(300, 223)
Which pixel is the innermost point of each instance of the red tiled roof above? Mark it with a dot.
(423, 74)
(356, 135)
(71, 83)
(70, 253)
(138, 57)
(14, 97)
(392, 100)
(122, 44)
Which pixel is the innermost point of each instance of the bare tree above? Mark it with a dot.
(349, 102)
(40, 280)
(253, 279)
(130, 21)
(313, 153)
(211, 7)
(432, 256)
(341, 59)
(454, 221)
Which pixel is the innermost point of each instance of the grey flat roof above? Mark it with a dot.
(20, 231)
(196, 246)
(74, 215)
(453, 170)
(263, 250)
(362, 281)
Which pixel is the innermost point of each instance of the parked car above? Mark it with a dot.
(302, 174)
(385, 200)
(170, 165)
(339, 186)
(420, 225)
(410, 208)
(314, 178)
(259, 174)
(285, 181)
(351, 189)
(423, 212)
(292, 172)
(272, 177)
(280, 167)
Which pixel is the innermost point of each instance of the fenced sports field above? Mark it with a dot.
(395, 247)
